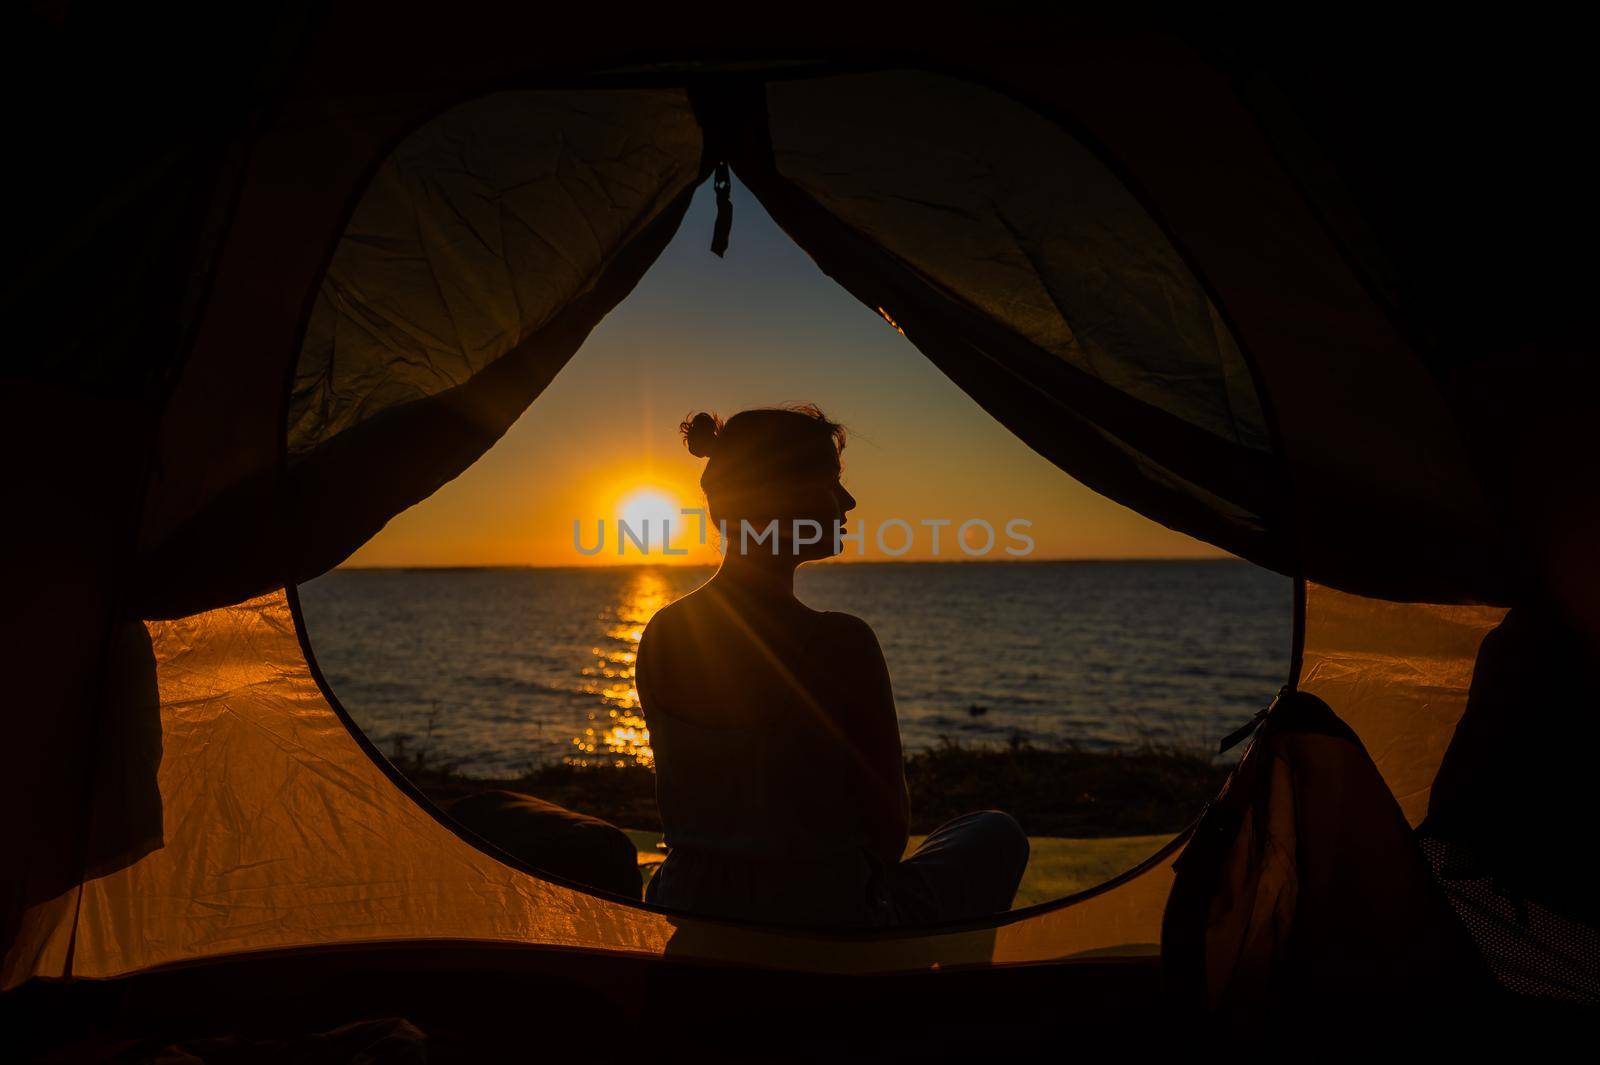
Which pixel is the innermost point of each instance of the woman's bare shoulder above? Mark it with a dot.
(668, 620)
(660, 644)
(671, 623)
(849, 632)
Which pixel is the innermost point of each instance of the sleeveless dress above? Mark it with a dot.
(762, 823)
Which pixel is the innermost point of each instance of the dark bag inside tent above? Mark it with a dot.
(1113, 253)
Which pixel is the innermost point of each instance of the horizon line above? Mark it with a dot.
(1098, 560)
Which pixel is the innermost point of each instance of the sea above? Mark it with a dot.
(495, 671)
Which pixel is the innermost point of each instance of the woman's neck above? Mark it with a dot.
(766, 577)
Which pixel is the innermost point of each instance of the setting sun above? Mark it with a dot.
(647, 521)
(649, 510)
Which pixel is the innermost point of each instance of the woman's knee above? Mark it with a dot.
(1004, 833)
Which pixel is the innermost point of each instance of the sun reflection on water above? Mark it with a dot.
(616, 733)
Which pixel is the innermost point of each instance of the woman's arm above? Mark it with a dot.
(867, 716)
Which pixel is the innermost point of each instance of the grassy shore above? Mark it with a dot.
(1089, 815)
(1053, 792)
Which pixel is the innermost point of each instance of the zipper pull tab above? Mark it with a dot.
(722, 183)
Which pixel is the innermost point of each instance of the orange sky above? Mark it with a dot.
(761, 326)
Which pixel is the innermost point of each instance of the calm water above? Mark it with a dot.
(500, 669)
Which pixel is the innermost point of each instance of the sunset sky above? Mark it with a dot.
(762, 326)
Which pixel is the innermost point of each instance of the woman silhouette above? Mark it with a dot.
(779, 771)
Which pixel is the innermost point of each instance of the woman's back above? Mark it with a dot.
(778, 762)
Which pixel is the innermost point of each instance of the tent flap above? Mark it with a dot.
(474, 233)
(489, 245)
(1003, 210)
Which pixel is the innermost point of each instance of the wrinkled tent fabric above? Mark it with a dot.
(482, 253)
(1007, 212)
(473, 234)
(183, 509)
(1399, 675)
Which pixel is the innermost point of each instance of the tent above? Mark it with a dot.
(333, 262)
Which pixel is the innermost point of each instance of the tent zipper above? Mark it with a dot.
(722, 184)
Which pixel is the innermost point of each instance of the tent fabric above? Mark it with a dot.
(851, 160)
(281, 831)
(1362, 424)
(1399, 675)
(491, 242)
(1007, 212)
(63, 607)
(475, 231)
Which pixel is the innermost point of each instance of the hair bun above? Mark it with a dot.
(701, 434)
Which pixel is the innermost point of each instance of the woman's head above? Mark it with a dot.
(772, 463)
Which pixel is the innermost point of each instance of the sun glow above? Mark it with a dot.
(653, 517)
(650, 508)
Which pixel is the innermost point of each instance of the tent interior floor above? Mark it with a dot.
(477, 1002)
(486, 1002)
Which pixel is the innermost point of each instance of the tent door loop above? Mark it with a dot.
(722, 184)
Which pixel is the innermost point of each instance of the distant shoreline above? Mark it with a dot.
(518, 567)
